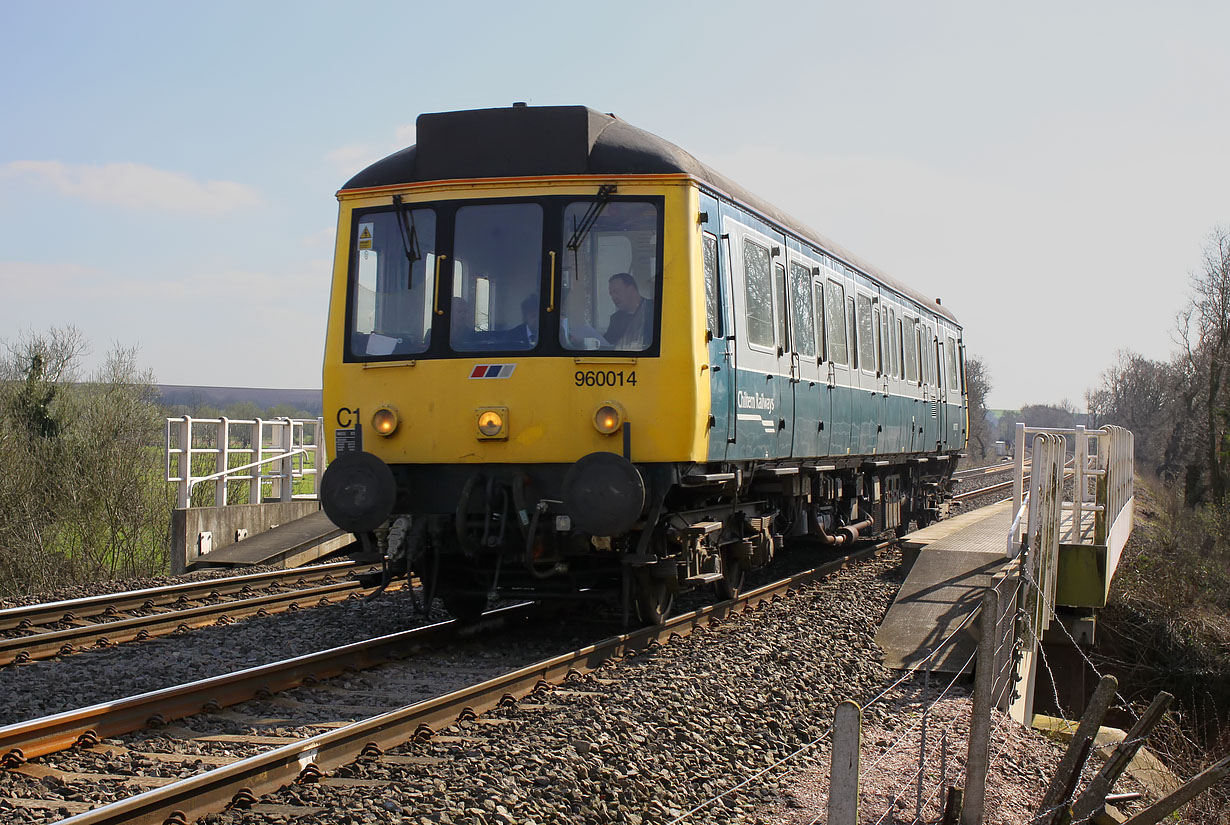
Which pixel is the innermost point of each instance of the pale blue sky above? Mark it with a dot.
(167, 171)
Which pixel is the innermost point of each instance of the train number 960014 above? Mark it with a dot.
(605, 378)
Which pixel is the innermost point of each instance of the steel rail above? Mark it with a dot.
(63, 642)
(89, 725)
(309, 759)
(983, 491)
(995, 488)
(15, 618)
(989, 470)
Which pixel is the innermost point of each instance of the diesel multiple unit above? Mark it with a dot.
(567, 359)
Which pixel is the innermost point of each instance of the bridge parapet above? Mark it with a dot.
(265, 454)
(1077, 541)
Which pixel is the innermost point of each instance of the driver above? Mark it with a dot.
(631, 324)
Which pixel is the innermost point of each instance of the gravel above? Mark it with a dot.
(51, 686)
(644, 739)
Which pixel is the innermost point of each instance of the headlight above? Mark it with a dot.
(493, 423)
(384, 421)
(608, 418)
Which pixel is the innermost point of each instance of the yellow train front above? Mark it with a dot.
(520, 367)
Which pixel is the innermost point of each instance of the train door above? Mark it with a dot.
(837, 353)
(787, 362)
(763, 364)
(894, 430)
(867, 410)
(884, 434)
(721, 359)
(941, 376)
(810, 394)
(957, 399)
(909, 355)
(927, 387)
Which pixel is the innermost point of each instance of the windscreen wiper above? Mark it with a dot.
(581, 229)
(409, 238)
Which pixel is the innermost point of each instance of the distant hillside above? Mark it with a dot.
(222, 397)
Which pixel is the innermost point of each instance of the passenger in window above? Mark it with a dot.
(525, 334)
(631, 325)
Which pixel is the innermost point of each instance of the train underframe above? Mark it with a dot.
(551, 532)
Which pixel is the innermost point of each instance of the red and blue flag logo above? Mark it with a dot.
(493, 371)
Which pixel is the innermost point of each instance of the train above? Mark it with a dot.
(565, 359)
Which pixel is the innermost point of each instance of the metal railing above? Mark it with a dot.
(1099, 518)
(1103, 478)
(278, 453)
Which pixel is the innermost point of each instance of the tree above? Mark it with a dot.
(1204, 331)
(81, 495)
(977, 386)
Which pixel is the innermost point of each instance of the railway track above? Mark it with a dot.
(100, 621)
(259, 763)
(990, 469)
(1002, 487)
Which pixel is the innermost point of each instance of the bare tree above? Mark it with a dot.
(1142, 395)
(1204, 331)
(978, 385)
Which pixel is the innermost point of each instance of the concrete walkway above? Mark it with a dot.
(293, 544)
(956, 560)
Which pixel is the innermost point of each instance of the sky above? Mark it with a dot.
(1050, 170)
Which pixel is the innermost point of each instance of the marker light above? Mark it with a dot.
(491, 423)
(384, 421)
(608, 418)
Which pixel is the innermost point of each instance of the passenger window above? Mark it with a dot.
(801, 315)
(758, 292)
(497, 267)
(608, 277)
(866, 334)
(818, 303)
(783, 299)
(852, 324)
(391, 298)
(835, 321)
(910, 339)
(712, 292)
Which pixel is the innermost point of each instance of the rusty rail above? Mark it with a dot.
(308, 759)
(50, 734)
(15, 618)
(64, 642)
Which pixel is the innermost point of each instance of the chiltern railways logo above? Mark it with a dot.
(493, 371)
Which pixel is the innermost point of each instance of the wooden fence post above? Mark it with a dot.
(1094, 796)
(843, 778)
(1090, 722)
(1168, 805)
(980, 718)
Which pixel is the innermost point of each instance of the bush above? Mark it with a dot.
(82, 496)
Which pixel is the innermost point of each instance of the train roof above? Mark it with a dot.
(537, 141)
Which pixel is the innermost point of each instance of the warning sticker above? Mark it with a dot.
(365, 236)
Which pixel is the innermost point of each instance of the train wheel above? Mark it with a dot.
(654, 598)
(461, 593)
(731, 584)
(463, 605)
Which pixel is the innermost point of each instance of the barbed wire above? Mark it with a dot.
(1055, 615)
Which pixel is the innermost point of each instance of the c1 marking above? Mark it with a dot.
(350, 414)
